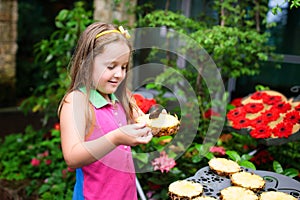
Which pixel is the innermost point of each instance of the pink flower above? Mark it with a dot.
(46, 153)
(217, 150)
(163, 163)
(64, 173)
(48, 162)
(71, 169)
(35, 162)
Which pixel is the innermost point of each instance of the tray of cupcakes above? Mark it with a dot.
(268, 116)
(224, 179)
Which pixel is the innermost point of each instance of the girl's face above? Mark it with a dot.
(110, 67)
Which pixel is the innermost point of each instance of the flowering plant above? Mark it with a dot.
(163, 163)
(268, 114)
(36, 156)
(143, 103)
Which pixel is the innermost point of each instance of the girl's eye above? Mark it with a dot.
(110, 67)
(124, 67)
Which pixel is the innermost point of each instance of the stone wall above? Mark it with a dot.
(8, 49)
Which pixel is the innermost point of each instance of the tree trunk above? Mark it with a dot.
(107, 11)
(8, 49)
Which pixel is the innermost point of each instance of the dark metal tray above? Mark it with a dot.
(213, 183)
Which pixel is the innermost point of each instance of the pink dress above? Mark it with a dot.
(113, 176)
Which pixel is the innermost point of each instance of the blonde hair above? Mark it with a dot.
(81, 65)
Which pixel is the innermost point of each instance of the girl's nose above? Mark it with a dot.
(118, 72)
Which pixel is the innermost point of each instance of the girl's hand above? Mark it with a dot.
(132, 135)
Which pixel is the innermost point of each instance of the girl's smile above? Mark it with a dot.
(110, 67)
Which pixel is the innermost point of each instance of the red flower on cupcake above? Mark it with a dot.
(262, 131)
(271, 99)
(297, 108)
(292, 117)
(253, 107)
(267, 115)
(282, 106)
(258, 95)
(235, 113)
(258, 121)
(283, 129)
(240, 123)
(237, 102)
(270, 115)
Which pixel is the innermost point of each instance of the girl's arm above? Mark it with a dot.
(78, 152)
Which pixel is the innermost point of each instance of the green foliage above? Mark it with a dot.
(36, 156)
(170, 19)
(53, 56)
(236, 50)
(241, 160)
(291, 172)
(288, 156)
(238, 45)
(293, 4)
(234, 40)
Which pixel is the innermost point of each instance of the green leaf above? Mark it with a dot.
(246, 157)
(141, 157)
(291, 172)
(247, 164)
(277, 167)
(233, 155)
(209, 155)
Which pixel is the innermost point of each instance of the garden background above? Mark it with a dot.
(252, 50)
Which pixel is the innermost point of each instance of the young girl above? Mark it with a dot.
(97, 117)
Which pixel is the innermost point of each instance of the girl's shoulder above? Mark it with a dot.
(75, 96)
